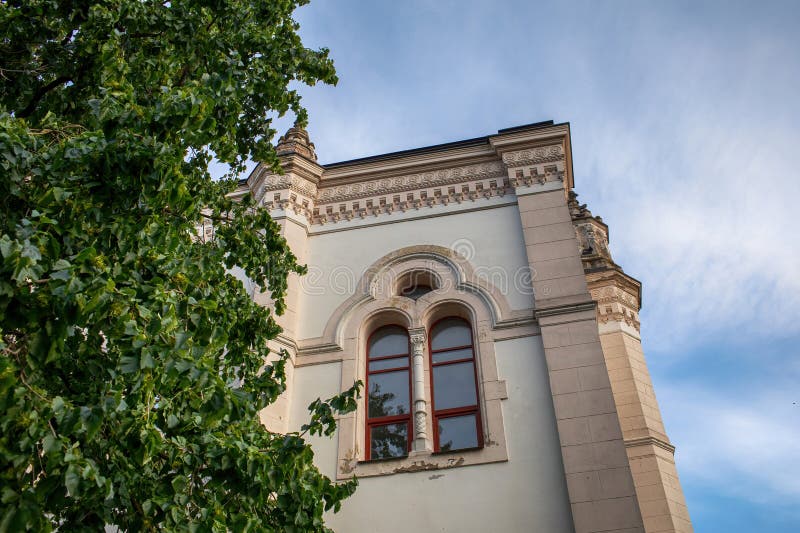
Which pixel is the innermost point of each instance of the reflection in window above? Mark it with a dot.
(457, 433)
(388, 440)
(454, 386)
(389, 393)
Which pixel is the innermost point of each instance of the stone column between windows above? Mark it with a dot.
(420, 442)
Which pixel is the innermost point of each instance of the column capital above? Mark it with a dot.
(417, 335)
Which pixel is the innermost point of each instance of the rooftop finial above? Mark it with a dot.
(296, 141)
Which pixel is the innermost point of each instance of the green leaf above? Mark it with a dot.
(7, 495)
(179, 483)
(72, 480)
(50, 443)
(129, 364)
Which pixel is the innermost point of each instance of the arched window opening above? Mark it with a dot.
(389, 393)
(415, 292)
(416, 284)
(454, 387)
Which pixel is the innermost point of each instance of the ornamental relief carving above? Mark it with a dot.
(614, 294)
(534, 156)
(623, 315)
(408, 201)
(410, 182)
(275, 182)
(616, 305)
(533, 175)
(593, 240)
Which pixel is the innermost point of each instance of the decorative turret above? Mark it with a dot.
(618, 294)
(296, 141)
(295, 189)
(592, 235)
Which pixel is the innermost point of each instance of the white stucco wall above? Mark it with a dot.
(310, 383)
(491, 239)
(526, 494)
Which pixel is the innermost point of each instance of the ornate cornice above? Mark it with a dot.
(510, 161)
(617, 297)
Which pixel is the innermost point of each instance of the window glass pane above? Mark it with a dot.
(389, 340)
(453, 386)
(458, 432)
(383, 364)
(449, 333)
(390, 440)
(451, 355)
(388, 394)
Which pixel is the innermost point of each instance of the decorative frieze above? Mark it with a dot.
(411, 200)
(411, 182)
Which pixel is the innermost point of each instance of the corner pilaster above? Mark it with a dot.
(290, 197)
(599, 481)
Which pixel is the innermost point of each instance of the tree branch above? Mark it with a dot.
(31, 107)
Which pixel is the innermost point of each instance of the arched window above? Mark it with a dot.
(389, 393)
(454, 387)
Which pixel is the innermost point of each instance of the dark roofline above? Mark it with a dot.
(439, 147)
(531, 126)
(430, 149)
(423, 150)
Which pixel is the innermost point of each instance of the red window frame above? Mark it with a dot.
(455, 411)
(393, 419)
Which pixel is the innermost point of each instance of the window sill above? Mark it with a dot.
(423, 461)
(382, 460)
(462, 450)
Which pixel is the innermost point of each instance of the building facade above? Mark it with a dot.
(464, 284)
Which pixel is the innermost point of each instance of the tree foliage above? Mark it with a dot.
(133, 362)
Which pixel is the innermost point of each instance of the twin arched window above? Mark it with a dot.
(454, 390)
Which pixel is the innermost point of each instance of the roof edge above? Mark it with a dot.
(441, 147)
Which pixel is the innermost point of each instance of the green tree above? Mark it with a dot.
(133, 362)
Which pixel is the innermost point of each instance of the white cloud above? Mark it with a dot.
(700, 187)
(737, 440)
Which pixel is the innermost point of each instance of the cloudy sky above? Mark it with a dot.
(685, 122)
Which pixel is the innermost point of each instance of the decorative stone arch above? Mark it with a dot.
(379, 282)
(460, 292)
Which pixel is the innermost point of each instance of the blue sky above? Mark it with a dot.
(685, 124)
